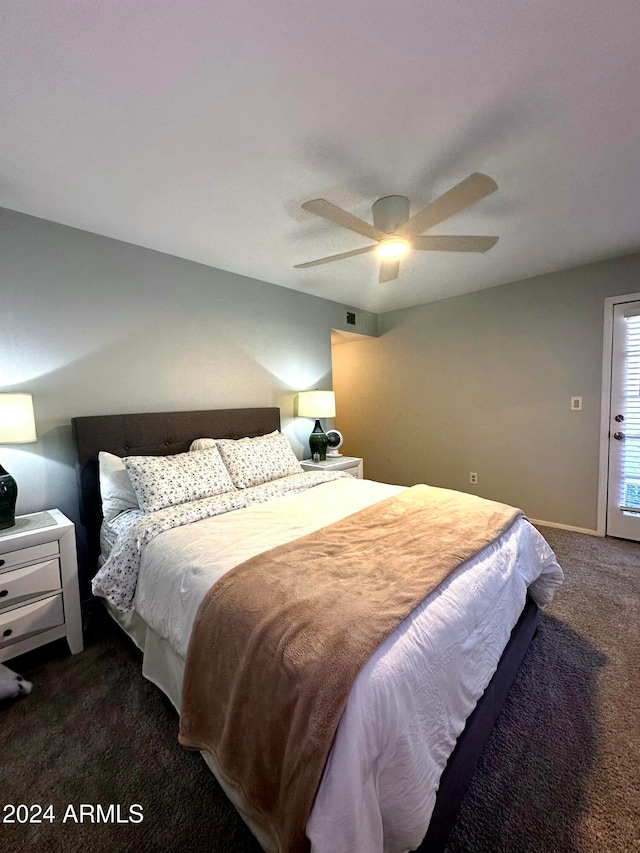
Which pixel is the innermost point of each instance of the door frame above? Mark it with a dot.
(605, 411)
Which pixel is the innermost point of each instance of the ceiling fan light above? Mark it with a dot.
(393, 248)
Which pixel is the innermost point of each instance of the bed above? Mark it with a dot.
(167, 600)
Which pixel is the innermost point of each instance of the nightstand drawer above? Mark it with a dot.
(28, 555)
(21, 584)
(30, 619)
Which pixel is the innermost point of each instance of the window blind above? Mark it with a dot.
(631, 424)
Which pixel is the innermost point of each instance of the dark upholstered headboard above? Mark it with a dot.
(153, 434)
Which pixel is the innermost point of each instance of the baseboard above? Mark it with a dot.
(565, 527)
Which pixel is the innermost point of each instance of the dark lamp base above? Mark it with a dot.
(318, 443)
(8, 495)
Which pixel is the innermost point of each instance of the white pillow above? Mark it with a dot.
(116, 490)
(252, 461)
(161, 481)
(202, 444)
(206, 443)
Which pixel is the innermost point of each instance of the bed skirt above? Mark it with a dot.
(162, 666)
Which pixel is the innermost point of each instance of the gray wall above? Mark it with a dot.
(95, 326)
(477, 383)
(483, 383)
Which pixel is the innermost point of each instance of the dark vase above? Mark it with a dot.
(8, 495)
(318, 442)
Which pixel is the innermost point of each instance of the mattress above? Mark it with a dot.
(405, 710)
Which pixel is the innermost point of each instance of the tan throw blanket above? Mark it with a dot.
(279, 640)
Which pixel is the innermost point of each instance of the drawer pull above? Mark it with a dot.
(4, 592)
(8, 632)
(1, 562)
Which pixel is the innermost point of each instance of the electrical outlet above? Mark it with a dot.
(473, 478)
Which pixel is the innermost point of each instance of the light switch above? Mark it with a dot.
(576, 404)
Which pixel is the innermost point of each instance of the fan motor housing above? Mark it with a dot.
(390, 212)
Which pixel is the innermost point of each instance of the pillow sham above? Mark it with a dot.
(253, 461)
(202, 444)
(206, 443)
(116, 490)
(162, 481)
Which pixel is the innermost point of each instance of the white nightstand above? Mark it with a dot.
(351, 464)
(39, 597)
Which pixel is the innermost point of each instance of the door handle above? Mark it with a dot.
(618, 436)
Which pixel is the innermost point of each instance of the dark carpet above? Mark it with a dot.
(561, 771)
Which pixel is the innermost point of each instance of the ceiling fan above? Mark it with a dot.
(395, 233)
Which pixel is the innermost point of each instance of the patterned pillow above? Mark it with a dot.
(258, 460)
(161, 481)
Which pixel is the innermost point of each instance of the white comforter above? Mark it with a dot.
(411, 700)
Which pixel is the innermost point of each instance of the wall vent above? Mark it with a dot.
(351, 318)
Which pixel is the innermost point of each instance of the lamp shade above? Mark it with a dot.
(316, 404)
(17, 423)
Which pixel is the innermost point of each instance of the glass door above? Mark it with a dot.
(623, 504)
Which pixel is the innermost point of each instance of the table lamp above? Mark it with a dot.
(317, 404)
(17, 426)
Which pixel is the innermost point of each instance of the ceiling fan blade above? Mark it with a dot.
(339, 257)
(389, 270)
(463, 195)
(437, 243)
(322, 207)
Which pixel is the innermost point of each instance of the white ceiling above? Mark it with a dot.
(199, 127)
